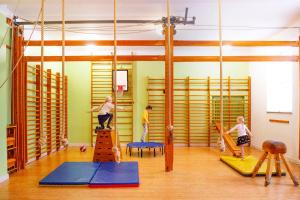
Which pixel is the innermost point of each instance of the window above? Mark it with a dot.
(280, 87)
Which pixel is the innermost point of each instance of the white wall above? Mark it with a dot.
(261, 127)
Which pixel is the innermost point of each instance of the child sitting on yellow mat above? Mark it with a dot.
(243, 134)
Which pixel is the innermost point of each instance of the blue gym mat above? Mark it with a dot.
(71, 173)
(106, 174)
(112, 174)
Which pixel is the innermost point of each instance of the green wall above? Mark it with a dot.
(79, 97)
(5, 111)
(141, 71)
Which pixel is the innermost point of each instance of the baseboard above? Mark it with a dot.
(78, 144)
(297, 162)
(292, 160)
(4, 178)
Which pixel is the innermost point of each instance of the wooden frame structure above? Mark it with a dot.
(196, 108)
(19, 97)
(53, 125)
(169, 46)
(175, 58)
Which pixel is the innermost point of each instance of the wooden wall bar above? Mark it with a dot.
(162, 58)
(39, 144)
(66, 107)
(190, 43)
(49, 112)
(209, 111)
(38, 121)
(156, 98)
(101, 87)
(58, 111)
(249, 103)
(199, 112)
(32, 112)
(54, 111)
(196, 108)
(188, 111)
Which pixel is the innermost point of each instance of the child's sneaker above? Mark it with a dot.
(98, 128)
(108, 127)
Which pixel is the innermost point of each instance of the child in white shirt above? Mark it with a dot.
(243, 133)
(104, 113)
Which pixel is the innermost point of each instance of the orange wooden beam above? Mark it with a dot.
(98, 43)
(235, 43)
(162, 58)
(279, 121)
(235, 58)
(95, 58)
(169, 98)
(192, 43)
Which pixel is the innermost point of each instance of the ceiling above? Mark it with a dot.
(242, 19)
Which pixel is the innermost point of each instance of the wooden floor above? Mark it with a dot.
(198, 174)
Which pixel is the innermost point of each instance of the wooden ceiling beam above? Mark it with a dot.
(98, 43)
(162, 58)
(186, 43)
(235, 43)
(236, 59)
(95, 58)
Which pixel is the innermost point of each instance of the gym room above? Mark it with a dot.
(161, 99)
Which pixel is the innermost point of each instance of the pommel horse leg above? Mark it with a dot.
(269, 171)
(289, 171)
(277, 165)
(259, 163)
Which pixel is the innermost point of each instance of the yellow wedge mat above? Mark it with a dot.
(246, 166)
